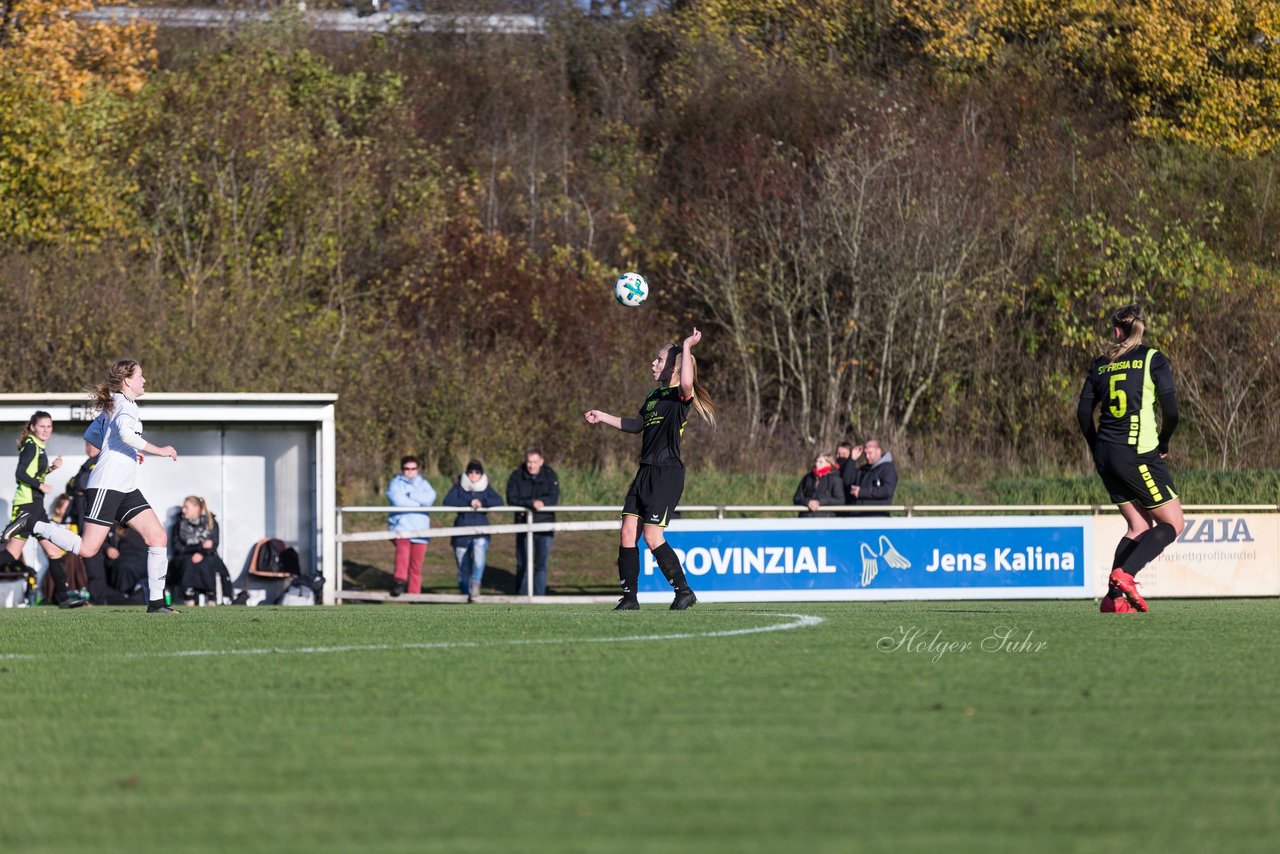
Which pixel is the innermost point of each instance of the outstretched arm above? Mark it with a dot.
(686, 377)
(129, 433)
(629, 424)
(165, 451)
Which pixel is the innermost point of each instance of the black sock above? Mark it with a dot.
(59, 580)
(669, 563)
(629, 570)
(1149, 547)
(1123, 550)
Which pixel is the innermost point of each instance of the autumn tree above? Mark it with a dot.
(59, 78)
(839, 291)
(1201, 71)
(45, 40)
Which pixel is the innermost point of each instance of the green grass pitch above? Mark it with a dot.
(573, 728)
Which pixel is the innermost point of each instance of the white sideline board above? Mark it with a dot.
(832, 559)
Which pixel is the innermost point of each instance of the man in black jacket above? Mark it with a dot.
(848, 467)
(533, 486)
(877, 478)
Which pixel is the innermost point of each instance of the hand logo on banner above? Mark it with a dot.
(870, 566)
(871, 560)
(892, 556)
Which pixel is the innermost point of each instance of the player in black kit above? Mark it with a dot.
(655, 492)
(1129, 450)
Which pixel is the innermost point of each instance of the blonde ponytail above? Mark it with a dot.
(1128, 319)
(702, 401)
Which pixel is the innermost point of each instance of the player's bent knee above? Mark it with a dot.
(1165, 533)
(1175, 523)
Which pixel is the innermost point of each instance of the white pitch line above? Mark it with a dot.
(798, 621)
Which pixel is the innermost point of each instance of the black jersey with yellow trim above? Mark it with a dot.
(664, 415)
(1128, 388)
(33, 467)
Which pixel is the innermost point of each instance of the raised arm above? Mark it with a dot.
(686, 377)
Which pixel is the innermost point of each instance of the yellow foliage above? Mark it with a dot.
(973, 33)
(55, 181)
(44, 39)
(801, 30)
(1205, 72)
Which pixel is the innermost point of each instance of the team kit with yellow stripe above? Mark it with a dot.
(655, 492)
(33, 468)
(1128, 445)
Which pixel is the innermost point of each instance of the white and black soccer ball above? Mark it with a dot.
(631, 290)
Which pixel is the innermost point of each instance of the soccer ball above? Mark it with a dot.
(631, 289)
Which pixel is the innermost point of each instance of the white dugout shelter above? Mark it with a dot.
(265, 463)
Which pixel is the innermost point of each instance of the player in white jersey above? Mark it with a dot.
(112, 496)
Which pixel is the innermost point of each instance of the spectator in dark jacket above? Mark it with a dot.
(848, 466)
(472, 550)
(197, 568)
(534, 486)
(819, 488)
(877, 476)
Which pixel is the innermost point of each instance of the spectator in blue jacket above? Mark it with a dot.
(409, 489)
(472, 550)
(534, 486)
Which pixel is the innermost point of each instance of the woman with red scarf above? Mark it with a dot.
(820, 486)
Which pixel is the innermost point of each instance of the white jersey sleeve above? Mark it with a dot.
(117, 465)
(129, 426)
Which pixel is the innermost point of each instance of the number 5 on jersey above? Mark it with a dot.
(1119, 400)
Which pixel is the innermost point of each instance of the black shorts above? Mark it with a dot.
(654, 494)
(1132, 477)
(107, 506)
(35, 508)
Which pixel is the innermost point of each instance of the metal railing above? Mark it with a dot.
(719, 511)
